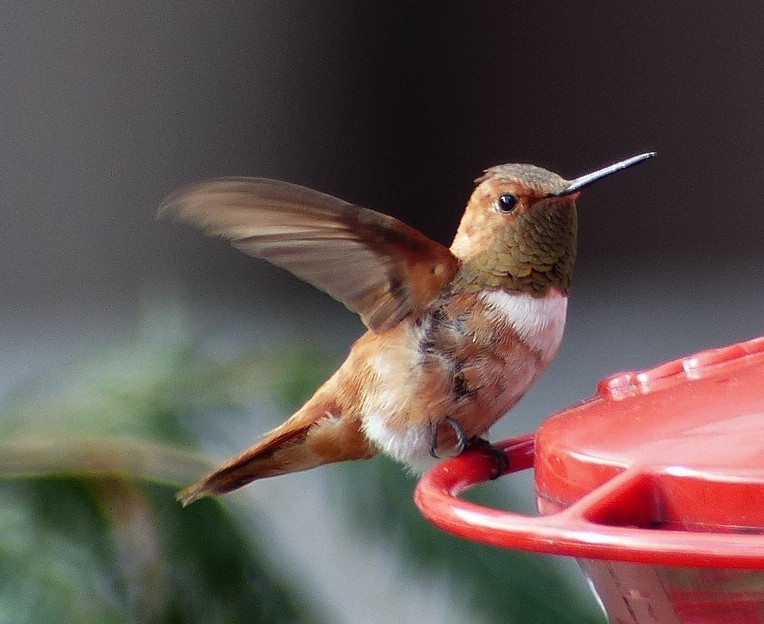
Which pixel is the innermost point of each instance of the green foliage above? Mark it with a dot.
(90, 531)
(106, 550)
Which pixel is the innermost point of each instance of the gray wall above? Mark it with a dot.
(106, 109)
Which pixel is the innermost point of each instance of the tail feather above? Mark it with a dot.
(264, 459)
(302, 442)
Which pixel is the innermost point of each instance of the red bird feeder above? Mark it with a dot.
(655, 485)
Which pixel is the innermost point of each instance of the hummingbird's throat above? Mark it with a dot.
(531, 257)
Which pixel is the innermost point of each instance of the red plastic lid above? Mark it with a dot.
(661, 466)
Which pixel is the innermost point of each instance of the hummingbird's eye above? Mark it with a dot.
(506, 203)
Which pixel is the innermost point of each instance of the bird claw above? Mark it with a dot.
(499, 457)
(461, 437)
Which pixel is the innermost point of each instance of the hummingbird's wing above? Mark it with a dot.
(376, 265)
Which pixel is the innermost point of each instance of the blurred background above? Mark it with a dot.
(106, 109)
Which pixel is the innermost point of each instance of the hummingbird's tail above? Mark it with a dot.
(310, 438)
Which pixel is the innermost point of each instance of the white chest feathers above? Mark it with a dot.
(538, 321)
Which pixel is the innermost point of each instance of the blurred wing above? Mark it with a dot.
(376, 265)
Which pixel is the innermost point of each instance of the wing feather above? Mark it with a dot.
(375, 264)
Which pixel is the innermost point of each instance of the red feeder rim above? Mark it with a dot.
(715, 388)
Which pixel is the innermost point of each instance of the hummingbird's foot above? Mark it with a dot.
(461, 437)
(499, 457)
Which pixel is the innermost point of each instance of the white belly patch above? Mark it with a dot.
(539, 321)
(411, 445)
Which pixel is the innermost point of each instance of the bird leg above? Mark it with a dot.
(499, 457)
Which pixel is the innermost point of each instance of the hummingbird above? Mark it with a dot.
(456, 336)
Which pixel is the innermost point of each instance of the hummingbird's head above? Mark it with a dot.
(518, 232)
(520, 228)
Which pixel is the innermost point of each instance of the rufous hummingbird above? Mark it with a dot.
(455, 336)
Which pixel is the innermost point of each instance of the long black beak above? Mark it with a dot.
(586, 180)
